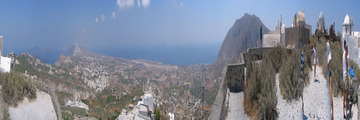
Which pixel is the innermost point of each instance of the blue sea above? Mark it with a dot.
(175, 55)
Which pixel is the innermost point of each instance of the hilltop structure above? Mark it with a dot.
(352, 38)
(299, 33)
(5, 62)
(276, 37)
(321, 24)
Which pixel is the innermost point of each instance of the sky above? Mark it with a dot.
(179, 32)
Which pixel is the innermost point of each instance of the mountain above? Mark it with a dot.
(244, 34)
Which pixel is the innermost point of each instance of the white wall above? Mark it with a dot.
(5, 64)
(149, 101)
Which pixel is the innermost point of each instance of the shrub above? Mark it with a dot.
(308, 63)
(252, 87)
(260, 93)
(321, 52)
(267, 96)
(278, 57)
(290, 84)
(335, 66)
(157, 114)
(15, 88)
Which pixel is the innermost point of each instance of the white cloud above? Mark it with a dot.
(96, 20)
(181, 4)
(113, 16)
(125, 3)
(145, 3)
(138, 3)
(102, 17)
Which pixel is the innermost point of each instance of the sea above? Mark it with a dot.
(174, 55)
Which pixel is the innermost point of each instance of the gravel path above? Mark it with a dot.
(316, 102)
(236, 109)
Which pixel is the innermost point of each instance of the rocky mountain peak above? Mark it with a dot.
(244, 34)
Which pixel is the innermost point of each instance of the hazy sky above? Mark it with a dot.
(142, 25)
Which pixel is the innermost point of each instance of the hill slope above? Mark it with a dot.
(245, 33)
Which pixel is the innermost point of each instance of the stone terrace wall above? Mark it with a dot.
(235, 77)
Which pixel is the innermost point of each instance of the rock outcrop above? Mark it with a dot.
(244, 34)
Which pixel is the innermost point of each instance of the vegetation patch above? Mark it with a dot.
(15, 88)
(62, 96)
(335, 66)
(290, 84)
(260, 91)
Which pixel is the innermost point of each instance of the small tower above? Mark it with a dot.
(347, 25)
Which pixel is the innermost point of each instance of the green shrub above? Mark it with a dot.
(267, 96)
(157, 114)
(308, 63)
(15, 88)
(321, 52)
(290, 84)
(62, 96)
(252, 87)
(335, 67)
(278, 57)
(260, 92)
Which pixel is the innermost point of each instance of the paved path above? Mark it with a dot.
(39, 109)
(236, 109)
(316, 101)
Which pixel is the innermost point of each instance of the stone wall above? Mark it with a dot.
(219, 109)
(271, 40)
(235, 77)
(296, 37)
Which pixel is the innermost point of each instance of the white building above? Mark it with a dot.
(347, 25)
(352, 39)
(274, 38)
(299, 20)
(149, 101)
(5, 62)
(321, 23)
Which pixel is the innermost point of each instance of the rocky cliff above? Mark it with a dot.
(244, 34)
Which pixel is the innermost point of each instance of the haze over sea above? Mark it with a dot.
(175, 55)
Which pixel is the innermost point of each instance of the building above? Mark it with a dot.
(321, 24)
(142, 111)
(274, 38)
(299, 34)
(5, 62)
(348, 25)
(149, 101)
(356, 38)
(352, 39)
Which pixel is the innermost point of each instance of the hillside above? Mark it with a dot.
(109, 84)
(242, 35)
